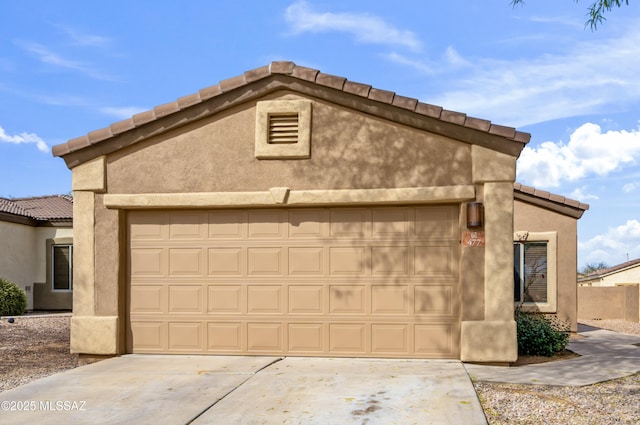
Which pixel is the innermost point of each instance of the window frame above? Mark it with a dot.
(52, 270)
(551, 238)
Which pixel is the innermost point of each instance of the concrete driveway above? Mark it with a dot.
(159, 389)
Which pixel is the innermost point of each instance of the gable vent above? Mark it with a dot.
(283, 128)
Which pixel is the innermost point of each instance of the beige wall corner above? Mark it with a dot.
(83, 254)
(488, 341)
(90, 176)
(498, 261)
(490, 166)
(94, 335)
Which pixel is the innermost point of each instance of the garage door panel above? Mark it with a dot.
(348, 261)
(227, 225)
(306, 224)
(440, 261)
(186, 299)
(186, 336)
(390, 260)
(347, 338)
(389, 338)
(376, 282)
(386, 299)
(148, 262)
(266, 224)
(391, 223)
(186, 262)
(225, 337)
(267, 261)
(306, 261)
(350, 223)
(265, 337)
(435, 339)
(306, 299)
(227, 261)
(434, 300)
(224, 299)
(148, 299)
(347, 299)
(264, 299)
(306, 337)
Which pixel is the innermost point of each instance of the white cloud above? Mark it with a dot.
(366, 28)
(81, 39)
(613, 246)
(48, 57)
(122, 112)
(630, 187)
(590, 152)
(24, 138)
(585, 78)
(582, 195)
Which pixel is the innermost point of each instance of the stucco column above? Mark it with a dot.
(498, 263)
(90, 333)
(494, 338)
(83, 254)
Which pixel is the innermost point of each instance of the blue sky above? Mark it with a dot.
(70, 67)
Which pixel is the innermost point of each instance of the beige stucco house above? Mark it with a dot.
(36, 244)
(290, 212)
(621, 274)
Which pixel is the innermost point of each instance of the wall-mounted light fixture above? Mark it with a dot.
(475, 215)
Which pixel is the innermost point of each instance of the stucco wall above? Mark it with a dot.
(619, 302)
(346, 151)
(531, 218)
(18, 259)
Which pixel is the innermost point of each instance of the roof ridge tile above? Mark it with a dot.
(302, 73)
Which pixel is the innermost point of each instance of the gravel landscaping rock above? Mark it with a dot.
(33, 347)
(612, 402)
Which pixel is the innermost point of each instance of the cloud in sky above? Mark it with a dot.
(589, 152)
(45, 55)
(607, 247)
(363, 26)
(586, 78)
(82, 39)
(122, 112)
(24, 138)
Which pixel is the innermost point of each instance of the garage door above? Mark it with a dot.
(348, 282)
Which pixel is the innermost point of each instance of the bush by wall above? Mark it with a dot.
(13, 301)
(539, 335)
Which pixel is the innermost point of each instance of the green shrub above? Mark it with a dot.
(13, 301)
(538, 335)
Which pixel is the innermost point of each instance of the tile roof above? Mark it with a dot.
(578, 207)
(40, 208)
(596, 274)
(291, 70)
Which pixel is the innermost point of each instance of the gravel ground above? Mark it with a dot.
(35, 347)
(612, 402)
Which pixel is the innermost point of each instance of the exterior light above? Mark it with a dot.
(475, 215)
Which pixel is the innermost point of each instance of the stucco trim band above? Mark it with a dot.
(412, 195)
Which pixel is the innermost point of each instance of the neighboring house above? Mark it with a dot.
(290, 212)
(621, 274)
(36, 245)
(611, 293)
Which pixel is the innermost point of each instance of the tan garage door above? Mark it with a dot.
(349, 282)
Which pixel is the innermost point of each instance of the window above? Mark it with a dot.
(534, 271)
(62, 270)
